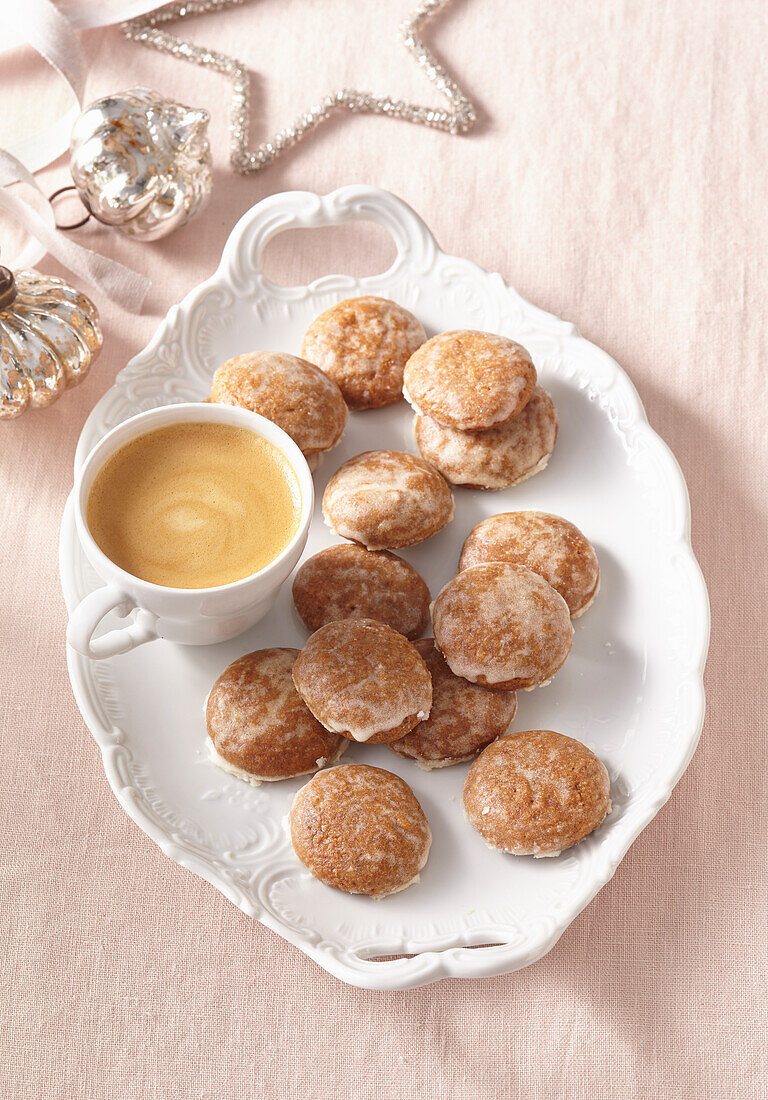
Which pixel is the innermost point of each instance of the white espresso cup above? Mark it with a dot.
(191, 616)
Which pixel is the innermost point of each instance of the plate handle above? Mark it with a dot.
(89, 613)
(303, 209)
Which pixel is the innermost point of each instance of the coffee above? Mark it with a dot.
(194, 505)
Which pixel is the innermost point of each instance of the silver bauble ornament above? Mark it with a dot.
(49, 339)
(141, 162)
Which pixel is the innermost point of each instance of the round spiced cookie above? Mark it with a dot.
(363, 680)
(363, 345)
(360, 829)
(549, 545)
(387, 499)
(469, 380)
(258, 727)
(536, 793)
(503, 626)
(497, 458)
(349, 582)
(464, 717)
(293, 393)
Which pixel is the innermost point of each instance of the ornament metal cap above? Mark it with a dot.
(7, 287)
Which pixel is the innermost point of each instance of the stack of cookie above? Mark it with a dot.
(481, 418)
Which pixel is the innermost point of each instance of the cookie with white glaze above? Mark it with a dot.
(363, 680)
(361, 830)
(349, 582)
(536, 793)
(502, 625)
(363, 344)
(385, 500)
(551, 546)
(464, 717)
(289, 391)
(469, 380)
(258, 727)
(497, 458)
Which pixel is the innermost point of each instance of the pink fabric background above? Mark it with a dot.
(617, 178)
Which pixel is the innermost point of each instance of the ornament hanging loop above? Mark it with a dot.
(74, 225)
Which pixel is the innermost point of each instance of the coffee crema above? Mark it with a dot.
(194, 505)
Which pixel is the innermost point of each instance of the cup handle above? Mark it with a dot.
(89, 613)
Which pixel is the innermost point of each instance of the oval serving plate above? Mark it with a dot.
(631, 688)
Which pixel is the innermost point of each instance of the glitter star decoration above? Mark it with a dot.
(457, 120)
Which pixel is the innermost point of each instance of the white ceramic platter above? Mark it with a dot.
(631, 688)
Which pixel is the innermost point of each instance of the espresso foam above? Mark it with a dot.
(194, 505)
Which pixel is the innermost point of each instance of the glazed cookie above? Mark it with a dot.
(464, 717)
(360, 829)
(502, 625)
(469, 380)
(536, 793)
(387, 499)
(363, 680)
(363, 345)
(294, 394)
(547, 544)
(350, 582)
(496, 458)
(258, 727)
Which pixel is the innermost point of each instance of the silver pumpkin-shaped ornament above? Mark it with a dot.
(49, 339)
(141, 162)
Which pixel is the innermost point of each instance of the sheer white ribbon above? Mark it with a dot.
(52, 34)
(46, 30)
(41, 25)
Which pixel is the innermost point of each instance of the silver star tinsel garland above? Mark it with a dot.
(458, 120)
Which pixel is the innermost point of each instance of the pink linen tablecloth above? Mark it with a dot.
(616, 178)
